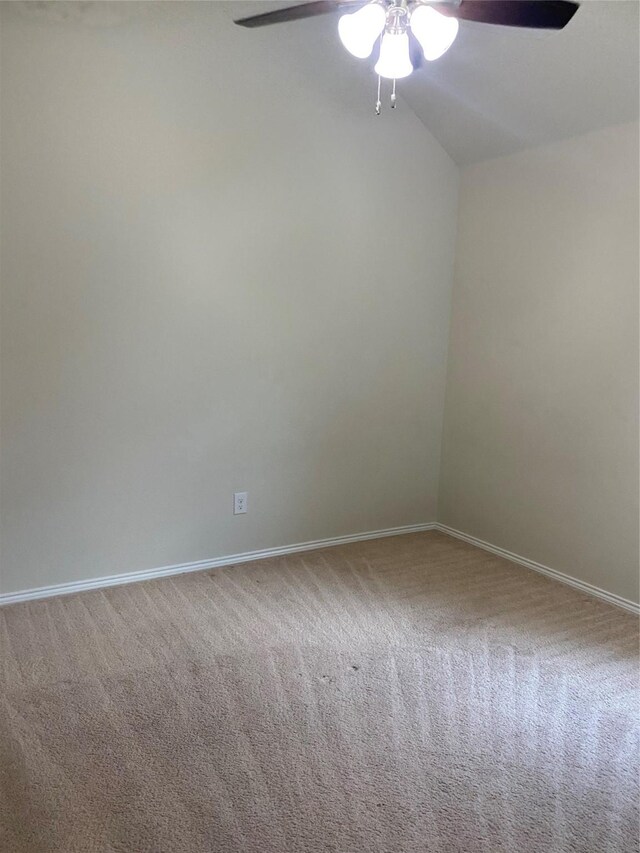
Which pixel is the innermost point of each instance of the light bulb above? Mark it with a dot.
(394, 61)
(358, 32)
(435, 32)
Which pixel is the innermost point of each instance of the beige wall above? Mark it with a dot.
(540, 451)
(216, 276)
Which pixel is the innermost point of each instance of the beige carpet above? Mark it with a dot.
(401, 695)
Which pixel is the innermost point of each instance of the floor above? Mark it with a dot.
(399, 695)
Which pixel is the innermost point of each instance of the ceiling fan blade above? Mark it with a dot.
(536, 14)
(295, 13)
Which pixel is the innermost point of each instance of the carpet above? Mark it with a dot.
(392, 696)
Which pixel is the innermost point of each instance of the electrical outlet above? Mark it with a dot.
(239, 503)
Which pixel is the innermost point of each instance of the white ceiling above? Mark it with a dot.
(499, 89)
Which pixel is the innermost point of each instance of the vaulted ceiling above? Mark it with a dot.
(497, 90)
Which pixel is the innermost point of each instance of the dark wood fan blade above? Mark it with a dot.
(536, 14)
(296, 13)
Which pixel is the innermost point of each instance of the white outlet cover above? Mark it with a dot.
(239, 503)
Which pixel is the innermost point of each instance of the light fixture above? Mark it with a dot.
(394, 62)
(358, 32)
(392, 22)
(435, 32)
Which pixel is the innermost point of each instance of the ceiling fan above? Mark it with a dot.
(408, 30)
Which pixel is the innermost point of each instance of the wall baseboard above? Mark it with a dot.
(248, 556)
(583, 586)
(218, 562)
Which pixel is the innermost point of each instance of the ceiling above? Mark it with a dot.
(500, 90)
(496, 91)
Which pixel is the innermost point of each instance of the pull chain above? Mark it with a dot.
(378, 102)
(393, 95)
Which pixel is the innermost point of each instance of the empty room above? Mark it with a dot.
(319, 426)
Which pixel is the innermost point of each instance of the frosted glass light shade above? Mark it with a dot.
(358, 32)
(394, 61)
(435, 32)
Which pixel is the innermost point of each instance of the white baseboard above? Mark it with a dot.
(248, 556)
(218, 562)
(588, 588)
